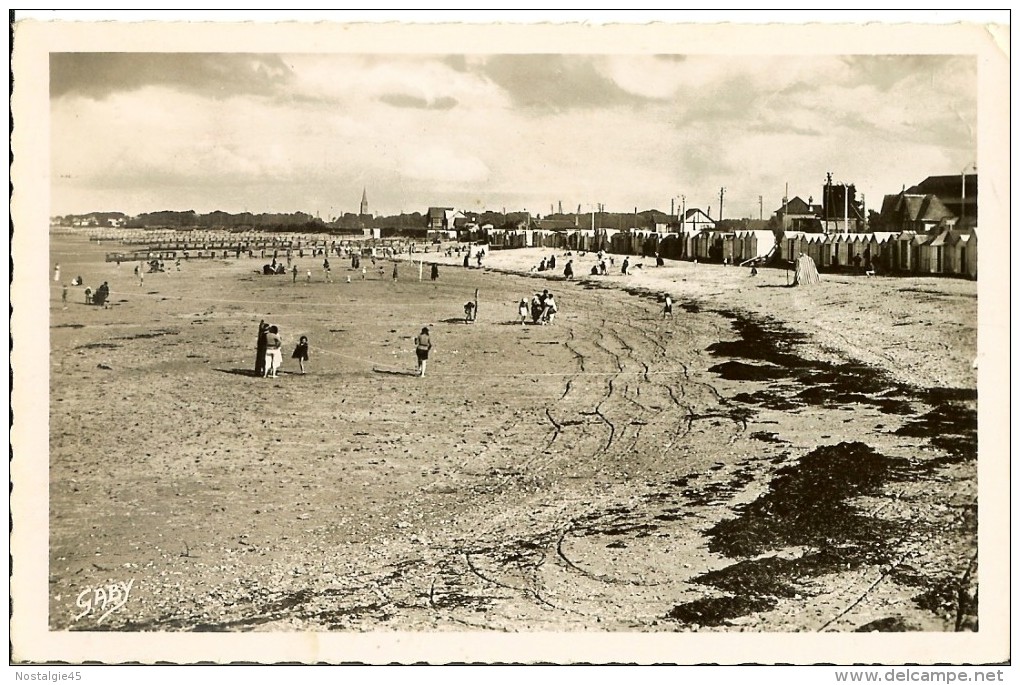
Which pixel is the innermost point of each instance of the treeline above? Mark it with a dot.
(355, 223)
(296, 221)
(100, 218)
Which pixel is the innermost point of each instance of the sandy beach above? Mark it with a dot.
(768, 459)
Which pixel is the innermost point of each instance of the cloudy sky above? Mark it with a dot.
(138, 132)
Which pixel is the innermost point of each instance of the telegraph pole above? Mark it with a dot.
(760, 208)
(722, 191)
(846, 208)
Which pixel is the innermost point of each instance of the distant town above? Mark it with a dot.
(928, 228)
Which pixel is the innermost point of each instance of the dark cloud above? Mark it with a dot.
(445, 102)
(733, 99)
(886, 71)
(556, 82)
(98, 74)
(456, 62)
(403, 100)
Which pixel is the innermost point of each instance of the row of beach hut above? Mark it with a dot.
(947, 251)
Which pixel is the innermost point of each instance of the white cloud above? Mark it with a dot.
(444, 165)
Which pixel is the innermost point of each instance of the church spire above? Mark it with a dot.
(364, 201)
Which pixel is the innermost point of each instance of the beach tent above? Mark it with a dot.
(726, 242)
(671, 246)
(919, 259)
(754, 245)
(790, 245)
(818, 248)
(839, 249)
(932, 253)
(903, 251)
(881, 250)
(955, 253)
(970, 257)
(687, 241)
(805, 272)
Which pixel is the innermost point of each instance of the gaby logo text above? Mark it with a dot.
(103, 600)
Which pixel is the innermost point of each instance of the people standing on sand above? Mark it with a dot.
(301, 352)
(260, 349)
(88, 295)
(625, 269)
(435, 272)
(325, 268)
(552, 262)
(394, 272)
(467, 260)
(293, 272)
(102, 295)
(56, 273)
(63, 296)
(667, 309)
(274, 356)
(568, 270)
(549, 309)
(522, 311)
(536, 308)
(469, 311)
(422, 347)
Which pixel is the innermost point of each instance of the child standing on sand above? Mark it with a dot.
(422, 347)
(301, 352)
(523, 310)
(667, 309)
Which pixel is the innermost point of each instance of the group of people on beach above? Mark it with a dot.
(100, 296)
(269, 351)
(542, 309)
(549, 264)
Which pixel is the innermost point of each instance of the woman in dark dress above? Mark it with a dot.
(260, 354)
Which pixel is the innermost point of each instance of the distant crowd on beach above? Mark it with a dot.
(539, 309)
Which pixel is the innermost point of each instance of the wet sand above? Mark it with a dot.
(758, 462)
